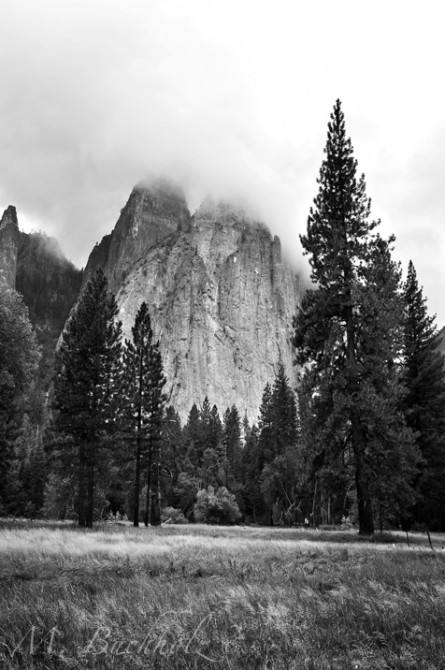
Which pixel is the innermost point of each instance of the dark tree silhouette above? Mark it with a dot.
(349, 330)
(85, 391)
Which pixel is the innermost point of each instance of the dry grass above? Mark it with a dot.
(206, 597)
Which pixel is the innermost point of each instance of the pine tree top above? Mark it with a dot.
(338, 223)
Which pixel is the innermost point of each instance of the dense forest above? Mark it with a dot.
(360, 441)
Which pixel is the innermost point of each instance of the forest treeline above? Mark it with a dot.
(361, 440)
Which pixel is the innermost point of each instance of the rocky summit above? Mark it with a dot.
(9, 242)
(220, 295)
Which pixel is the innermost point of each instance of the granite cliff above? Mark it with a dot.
(9, 243)
(35, 266)
(220, 295)
(149, 215)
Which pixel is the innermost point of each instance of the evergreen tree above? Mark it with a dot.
(189, 479)
(85, 397)
(231, 449)
(253, 500)
(205, 417)
(144, 403)
(266, 427)
(193, 437)
(325, 468)
(424, 403)
(216, 429)
(284, 413)
(156, 409)
(349, 328)
(277, 445)
(173, 454)
(19, 355)
(38, 470)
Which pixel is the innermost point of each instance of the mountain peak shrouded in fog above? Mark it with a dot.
(229, 98)
(225, 211)
(220, 296)
(154, 210)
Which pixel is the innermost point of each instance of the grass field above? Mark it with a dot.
(207, 597)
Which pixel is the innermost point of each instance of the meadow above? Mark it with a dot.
(195, 597)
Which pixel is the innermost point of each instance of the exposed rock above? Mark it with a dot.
(98, 258)
(152, 212)
(9, 241)
(48, 282)
(50, 286)
(220, 297)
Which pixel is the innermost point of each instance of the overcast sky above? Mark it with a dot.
(230, 97)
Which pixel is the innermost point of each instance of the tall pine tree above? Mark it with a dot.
(231, 449)
(277, 448)
(156, 410)
(144, 405)
(424, 403)
(349, 330)
(85, 392)
(19, 356)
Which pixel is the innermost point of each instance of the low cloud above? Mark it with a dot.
(228, 98)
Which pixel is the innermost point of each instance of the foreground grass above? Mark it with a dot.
(200, 597)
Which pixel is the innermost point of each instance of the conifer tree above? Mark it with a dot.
(424, 403)
(156, 407)
(85, 397)
(266, 427)
(253, 501)
(205, 416)
(173, 454)
(193, 437)
(349, 328)
(211, 437)
(19, 355)
(231, 446)
(144, 405)
(277, 446)
(284, 410)
(216, 428)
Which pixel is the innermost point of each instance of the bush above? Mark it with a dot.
(216, 508)
(172, 515)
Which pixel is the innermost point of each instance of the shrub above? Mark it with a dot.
(172, 515)
(217, 508)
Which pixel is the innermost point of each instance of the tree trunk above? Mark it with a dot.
(148, 499)
(365, 519)
(137, 482)
(81, 493)
(155, 512)
(366, 524)
(90, 495)
(313, 503)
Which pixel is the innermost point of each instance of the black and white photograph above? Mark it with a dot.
(222, 335)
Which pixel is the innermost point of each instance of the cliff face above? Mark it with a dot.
(150, 214)
(9, 241)
(50, 286)
(221, 301)
(48, 282)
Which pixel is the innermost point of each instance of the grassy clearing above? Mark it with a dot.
(206, 597)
